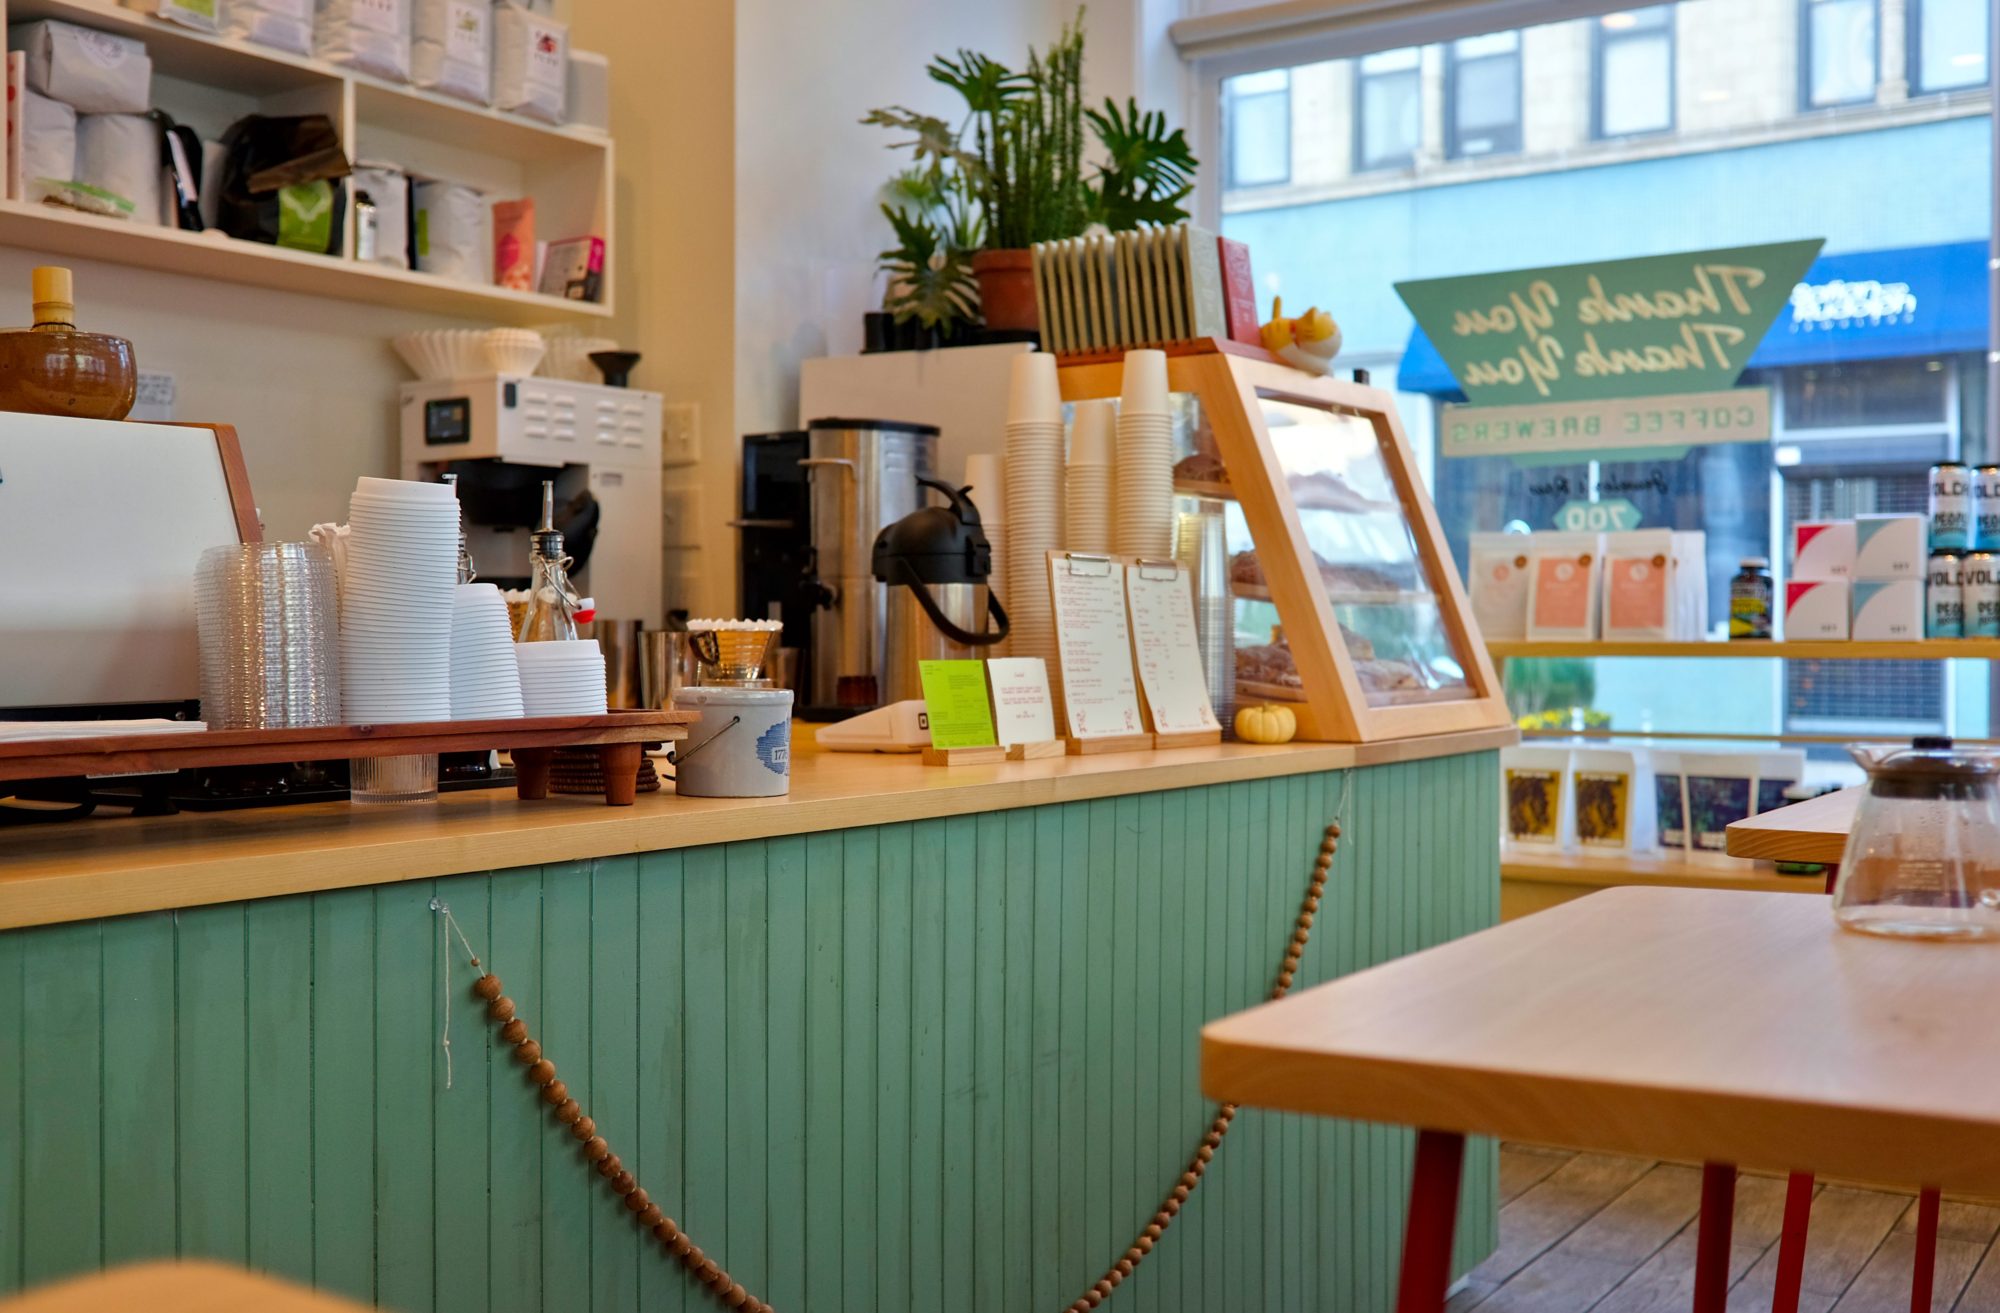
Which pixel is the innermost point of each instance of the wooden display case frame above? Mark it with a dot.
(1230, 380)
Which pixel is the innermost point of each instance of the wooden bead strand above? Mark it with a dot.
(1219, 1127)
(597, 1152)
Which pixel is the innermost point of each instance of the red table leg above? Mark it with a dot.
(1792, 1243)
(1921, 1278)
(1433, 1214)
(1711, 1251)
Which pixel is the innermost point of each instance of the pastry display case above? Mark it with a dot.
(1344, 597)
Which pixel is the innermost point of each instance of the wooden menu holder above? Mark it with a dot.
(1233, 382)
(982, 756)
(1119, 743)
(1035, 751)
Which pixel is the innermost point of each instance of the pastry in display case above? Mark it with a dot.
(1343, 596)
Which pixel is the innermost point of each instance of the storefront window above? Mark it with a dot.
(1840, 52)
(1668, 129)
(1483, 81)
(1258, 111)
(1635, 72)
(1388, 114)
(1947, 44)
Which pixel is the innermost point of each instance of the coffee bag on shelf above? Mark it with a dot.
(280, 24)
(48, 145)
(90, 71)
(452, 48)
(530, 63)
(454, 227)
(371, 35)
(120, 154)
(200, 15)
(388, 190)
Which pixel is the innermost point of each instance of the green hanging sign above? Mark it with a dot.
(1611, 329)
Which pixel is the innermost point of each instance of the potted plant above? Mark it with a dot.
(1012, 174)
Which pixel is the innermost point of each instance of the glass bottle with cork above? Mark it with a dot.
(552, 604)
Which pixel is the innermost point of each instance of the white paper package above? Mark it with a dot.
(48, 144)
(452, 50)
(371, 35)
(280, 24)
(92, 72)
(197, 14)
(388, 188)
(120, 153)
(454, 231)
(530, 63)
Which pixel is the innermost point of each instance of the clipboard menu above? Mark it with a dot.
(1100, 686)
(1168, 653)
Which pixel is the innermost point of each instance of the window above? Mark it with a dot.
(1483, 95)
(1839, 57)
(1257, 111)
(1947, 45)
(1388, 109)
(1634, 58)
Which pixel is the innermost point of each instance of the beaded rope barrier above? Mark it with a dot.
(514, 1030)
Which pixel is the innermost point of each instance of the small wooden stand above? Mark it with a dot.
(1035, 751)
(1119, 743)
(985, 756)
(1194, 738)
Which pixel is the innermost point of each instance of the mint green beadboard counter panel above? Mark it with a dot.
(947, 1064)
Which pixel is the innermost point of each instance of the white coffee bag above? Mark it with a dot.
(454, 231)
(280, 24)
(90, 71)
(48, 144)
(371, 35)
(452, 49)
(530, 63)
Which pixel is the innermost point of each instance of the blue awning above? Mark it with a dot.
(1857, 305)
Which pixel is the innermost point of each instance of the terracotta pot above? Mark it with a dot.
(1007, 289)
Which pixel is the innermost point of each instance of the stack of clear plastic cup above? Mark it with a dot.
(267, 616)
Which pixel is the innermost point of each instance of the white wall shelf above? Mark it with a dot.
(210, 81)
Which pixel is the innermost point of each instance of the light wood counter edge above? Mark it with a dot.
(1811, 831)
(120, 866)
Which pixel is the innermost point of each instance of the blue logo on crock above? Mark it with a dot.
(774, 748)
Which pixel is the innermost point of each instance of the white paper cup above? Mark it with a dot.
(1032, 392)
(1091, 441)
(1145, 388)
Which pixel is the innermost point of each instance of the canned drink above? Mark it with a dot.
(1951, 507)
(1944, 597)
(1986, 507)
(1979, 584)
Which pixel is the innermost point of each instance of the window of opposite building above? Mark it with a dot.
(1947, 45)
(1839, 57)
(1483, 95)
(1634, 72)
(1257, 113)
(1388, 109)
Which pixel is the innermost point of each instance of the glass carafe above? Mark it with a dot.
(1923, 857)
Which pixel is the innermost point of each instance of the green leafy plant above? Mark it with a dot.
(1147, 171)
(1012, 172)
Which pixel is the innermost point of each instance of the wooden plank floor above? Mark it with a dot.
(1591, 1233)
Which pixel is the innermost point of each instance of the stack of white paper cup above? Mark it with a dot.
(1087, 482)
(1034, 501)
(1142, 520)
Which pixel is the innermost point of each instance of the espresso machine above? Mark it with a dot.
(861, 475)
(504, 435)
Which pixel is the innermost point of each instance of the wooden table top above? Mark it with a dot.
(115, 864)
(189, 1287)
(1689, 1024)
(1811, 831)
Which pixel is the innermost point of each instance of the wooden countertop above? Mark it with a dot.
(1811, 831)
(116, 865)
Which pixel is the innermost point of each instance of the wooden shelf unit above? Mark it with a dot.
(1929, 649)
(208, 82)
(1532, 882)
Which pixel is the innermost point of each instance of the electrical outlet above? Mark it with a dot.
(680, 433)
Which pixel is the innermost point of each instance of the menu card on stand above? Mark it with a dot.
(961, 719)
(1094, 644)
(1023, 709)
(1161, 604)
